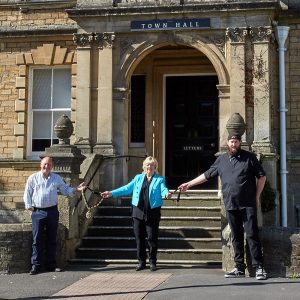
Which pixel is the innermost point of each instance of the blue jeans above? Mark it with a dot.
(44, 221)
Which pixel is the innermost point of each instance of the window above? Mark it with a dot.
(137, 128)
(50, 98)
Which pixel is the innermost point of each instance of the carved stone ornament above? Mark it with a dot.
(63, 129)
(236, 125)
(219, 41)
(260, 34)
(236, 35)
(83, 39)
(104, 40)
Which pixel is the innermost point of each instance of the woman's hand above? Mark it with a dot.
(168, 195)
(106, 194)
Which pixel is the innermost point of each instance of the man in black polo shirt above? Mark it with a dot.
(243, 180)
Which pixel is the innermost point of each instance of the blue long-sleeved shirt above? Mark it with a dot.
(42, 192)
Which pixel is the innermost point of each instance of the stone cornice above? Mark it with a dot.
(94, 10)
(37, 31)
(19, 164)
(25, 6)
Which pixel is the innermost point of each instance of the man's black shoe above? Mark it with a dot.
(153, 267)
(140, 266)
(34, 270)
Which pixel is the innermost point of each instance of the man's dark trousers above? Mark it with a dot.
(241, 220)
(44, 221)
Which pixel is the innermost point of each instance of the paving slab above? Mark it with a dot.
(116, 286)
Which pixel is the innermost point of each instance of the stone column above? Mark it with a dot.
(104, 134)
(262, 89)
(83, 107)
(224, 114)
(262, 85)
(236, 52)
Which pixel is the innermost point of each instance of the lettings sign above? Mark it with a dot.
(170, 24)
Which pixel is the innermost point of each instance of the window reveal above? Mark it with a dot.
(51, 97)
(137, 129)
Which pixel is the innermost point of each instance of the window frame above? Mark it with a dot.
(30, 154)
(137, 144)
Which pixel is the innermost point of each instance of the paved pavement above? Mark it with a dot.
(123, 282)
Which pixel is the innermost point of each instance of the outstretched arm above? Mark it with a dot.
(198, 180)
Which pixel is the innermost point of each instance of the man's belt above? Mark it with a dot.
(45, 208)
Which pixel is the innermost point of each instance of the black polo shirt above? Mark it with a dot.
(238, 176)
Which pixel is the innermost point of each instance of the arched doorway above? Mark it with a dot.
(180, 111)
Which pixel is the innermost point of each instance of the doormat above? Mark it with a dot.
(115, 286)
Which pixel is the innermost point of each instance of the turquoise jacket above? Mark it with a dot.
(157, 190)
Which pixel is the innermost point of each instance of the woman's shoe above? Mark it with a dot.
(140, 266)
(153, 267)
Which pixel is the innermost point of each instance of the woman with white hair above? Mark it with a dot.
(148, 190)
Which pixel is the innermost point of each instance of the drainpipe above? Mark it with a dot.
(281, 35)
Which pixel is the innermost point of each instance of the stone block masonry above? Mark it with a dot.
(15, 248)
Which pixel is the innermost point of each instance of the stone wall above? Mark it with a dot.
(281, 250)
(20, 24)
(15, 247)
(290, 18)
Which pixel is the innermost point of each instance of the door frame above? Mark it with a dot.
(164, 109)
(158, 100)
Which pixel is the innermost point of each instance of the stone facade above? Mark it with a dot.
(96, 39)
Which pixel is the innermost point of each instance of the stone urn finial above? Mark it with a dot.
(236, 125)
(63, 129)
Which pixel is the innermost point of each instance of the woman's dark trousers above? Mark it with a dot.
(146, 230)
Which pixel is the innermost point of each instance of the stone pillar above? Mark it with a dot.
(224, 114)
(262, 85)
(236, 52)
(83, 107)
(262, 89)
(67, 160)
(104, 134)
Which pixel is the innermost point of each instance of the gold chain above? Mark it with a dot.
(89, 208)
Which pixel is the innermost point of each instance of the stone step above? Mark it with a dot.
(130, 253)
(190, 232)
(166, 211)
(178, 231)
(165, 221)
(164, 242)
(161, 263)
(194, 198)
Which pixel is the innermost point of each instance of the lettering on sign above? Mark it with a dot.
(170, 24)
(192, 148)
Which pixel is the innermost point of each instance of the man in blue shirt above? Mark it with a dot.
(40, 197)
(243, 180)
